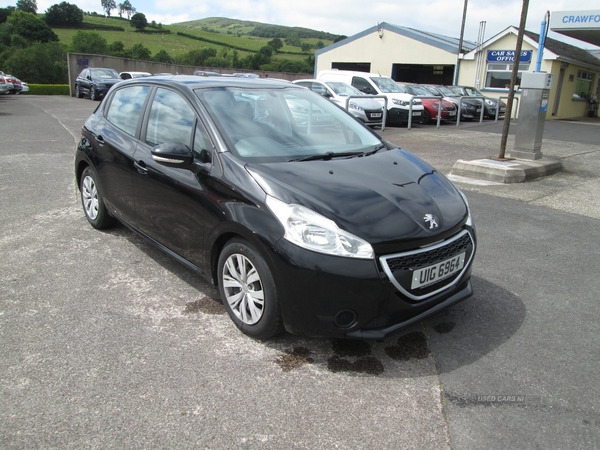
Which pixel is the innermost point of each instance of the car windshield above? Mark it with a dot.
(447, 91)
(387, 85)
(285, 124)
(104, 73)
(471, 92)
(343, 89)
(419, 90)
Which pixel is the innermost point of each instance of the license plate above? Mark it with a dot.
(436, 272)
(452, 113)
(417, 113)
(376, 115)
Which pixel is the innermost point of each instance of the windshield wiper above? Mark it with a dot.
(326, 156)
(375, 150)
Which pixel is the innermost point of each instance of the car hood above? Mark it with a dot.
(383, 197)
(365, 103)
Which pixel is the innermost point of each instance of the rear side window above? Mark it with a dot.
(125, 108)
(171, 119)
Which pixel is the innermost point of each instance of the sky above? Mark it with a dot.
(349, 17)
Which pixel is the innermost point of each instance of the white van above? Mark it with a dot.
(375, 84)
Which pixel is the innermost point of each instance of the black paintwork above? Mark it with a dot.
(191, 212)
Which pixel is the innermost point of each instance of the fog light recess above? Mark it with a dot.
(345, 318)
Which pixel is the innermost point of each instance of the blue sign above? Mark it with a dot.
(82, 61)
(508, 56)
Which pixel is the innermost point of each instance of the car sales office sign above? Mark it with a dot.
(508, 56)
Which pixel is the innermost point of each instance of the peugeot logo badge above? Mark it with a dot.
(431, 221)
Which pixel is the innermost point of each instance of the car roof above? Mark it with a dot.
(195, 82)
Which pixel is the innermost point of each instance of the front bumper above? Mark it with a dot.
(397, 116)
(326, 296)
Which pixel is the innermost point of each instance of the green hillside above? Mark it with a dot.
(29, 47)
(217, 33)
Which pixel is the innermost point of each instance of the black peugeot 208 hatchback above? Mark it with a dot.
(304, 218)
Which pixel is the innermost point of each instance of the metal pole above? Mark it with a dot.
(460, 43)
(513, 81)
(542, 42)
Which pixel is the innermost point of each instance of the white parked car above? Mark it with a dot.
(130, 75)
(399, 100)
(368, 110)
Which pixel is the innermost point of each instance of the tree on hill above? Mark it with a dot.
(27, 6)
(108, 6)
(30, 28)
(138, 21)
(126, 8)
(138, 51)
(89, 42)
(43, 63)
(275, 44)
(64, 14)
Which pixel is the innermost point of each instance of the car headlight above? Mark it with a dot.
(355, 106)
(395, 101)
(469, 221)
(490, 102)
(312, 231)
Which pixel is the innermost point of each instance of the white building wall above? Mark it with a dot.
(383, 52)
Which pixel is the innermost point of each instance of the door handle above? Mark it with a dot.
(141, 167)
(100, 139)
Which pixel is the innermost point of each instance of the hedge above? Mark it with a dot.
(49, 89)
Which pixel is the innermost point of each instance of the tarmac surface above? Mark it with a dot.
(108, 343)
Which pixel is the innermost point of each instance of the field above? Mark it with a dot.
(223, 33)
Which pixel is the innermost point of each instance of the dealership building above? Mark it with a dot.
(410, 55)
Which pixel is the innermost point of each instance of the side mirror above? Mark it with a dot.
(173, 154)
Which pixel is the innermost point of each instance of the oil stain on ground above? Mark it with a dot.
(294, 358)
(411, 345)
(205, 305)
(344, 349)
(444, 327)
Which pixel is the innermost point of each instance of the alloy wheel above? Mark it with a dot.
(243, 289)
(89, 194)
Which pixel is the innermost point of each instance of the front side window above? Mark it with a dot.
(171, 119)
(498, 74)
(387, 85)
(583, 86)
(126, 106)
(363, 85)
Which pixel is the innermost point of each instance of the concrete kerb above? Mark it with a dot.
(508, 170)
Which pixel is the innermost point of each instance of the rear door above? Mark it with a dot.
(115, 140)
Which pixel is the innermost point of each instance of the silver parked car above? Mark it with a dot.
(368, 110)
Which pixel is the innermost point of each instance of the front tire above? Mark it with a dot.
(77, 91)
(248, 290)
(92, 201)
(426, 117)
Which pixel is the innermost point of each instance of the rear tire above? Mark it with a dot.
(248, 290)
(92, 201)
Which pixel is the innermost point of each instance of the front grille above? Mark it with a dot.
(400, 267)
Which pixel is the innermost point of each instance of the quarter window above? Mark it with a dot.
(126, 107)
(171, 119)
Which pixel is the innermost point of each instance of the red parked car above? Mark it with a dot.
(431, 105)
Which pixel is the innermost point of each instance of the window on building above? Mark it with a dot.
(498, 74)
(583, 85)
